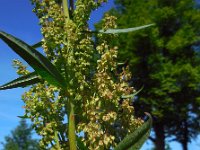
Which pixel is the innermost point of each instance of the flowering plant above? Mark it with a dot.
(79, 97)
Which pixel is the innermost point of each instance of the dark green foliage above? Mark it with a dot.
(37, 45)
(20, 138)
(165, 60)
(80, 144)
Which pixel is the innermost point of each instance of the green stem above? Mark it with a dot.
(65, 9)
(66, 15)
(71, 117)
(71, 130)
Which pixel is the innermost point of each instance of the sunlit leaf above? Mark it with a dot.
(35, 59)
(115, 31)
(119, 64)
(135, 140)
(132, 95)
(23, 81)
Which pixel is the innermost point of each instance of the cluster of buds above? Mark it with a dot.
(45, 110)
(21, 69)
(106, 120)
(94, 83)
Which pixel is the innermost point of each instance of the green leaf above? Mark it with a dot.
(132, 95)
(80, 144)
(35, 59)
(119, 64)
(141, 141)
(114, 31)
(37, 45)
(135, 140)
(23, 81)
(23, 117)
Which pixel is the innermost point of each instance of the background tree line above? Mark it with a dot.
(21, 138)
(164, 59)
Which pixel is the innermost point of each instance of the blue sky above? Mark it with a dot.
(16, 18)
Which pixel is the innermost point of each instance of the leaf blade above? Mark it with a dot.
(116, 31)
(23, 81)
(23, 117)
(132, 95)
(37, 45)
(35, 59)
(131, 140)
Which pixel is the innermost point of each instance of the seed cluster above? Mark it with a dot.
(102, 117)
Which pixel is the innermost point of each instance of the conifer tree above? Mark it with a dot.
(165, 61)
(21, 138)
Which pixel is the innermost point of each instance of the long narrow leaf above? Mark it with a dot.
(137, 138)
(132, 95)
(141, 141)
(23, 117)
(139, 144)
(23, 81)
(37, 45)
(35, 59)
(115, 31)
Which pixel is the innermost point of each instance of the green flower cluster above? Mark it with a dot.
(102, 117)
(106, 120)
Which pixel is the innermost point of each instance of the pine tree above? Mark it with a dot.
(21, 138)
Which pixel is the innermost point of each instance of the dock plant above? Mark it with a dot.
(80, 97)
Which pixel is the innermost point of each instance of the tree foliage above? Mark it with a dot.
(21, 138)
(165, 60)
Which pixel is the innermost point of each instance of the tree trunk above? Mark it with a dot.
(184, 145)
(185, 139)
(159, 136)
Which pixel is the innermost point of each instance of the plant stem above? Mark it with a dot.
(71, 117)
(71, 130)
(65, 9)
